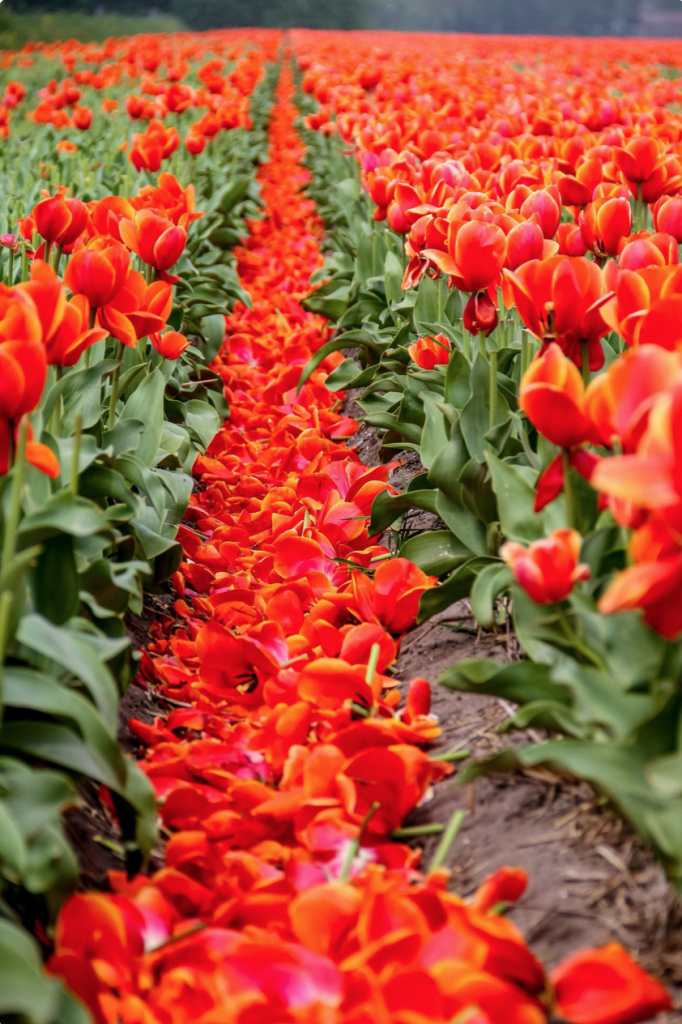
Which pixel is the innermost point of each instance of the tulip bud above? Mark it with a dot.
(195, 144)
(8, 241)
(52, 217)
(170, 345)
(548, 569)
(480, 314)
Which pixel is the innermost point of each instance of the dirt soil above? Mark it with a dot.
(592, 881)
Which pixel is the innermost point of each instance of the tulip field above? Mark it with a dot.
(310, 341)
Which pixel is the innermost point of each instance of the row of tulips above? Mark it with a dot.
(506, 264)
(289, 762)
(111, 308)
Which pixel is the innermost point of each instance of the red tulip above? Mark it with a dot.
(524, 242)
(170, 345)
(570, 240)
(52, 217)
(98, 274)
(475, 256)
(638, 160)
(480, 314)
(548, 569)
(606, 986)
(155, 239)
(604, 223)
(74, 335)
(429, 352)
(668, 216)
(552, 396)
(82, 118)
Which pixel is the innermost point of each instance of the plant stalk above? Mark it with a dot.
(568, 489)
(114, 387)
(493, 388)
(449, 836)
(354, 847)
(585, 358)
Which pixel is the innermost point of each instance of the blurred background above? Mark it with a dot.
(94, 20)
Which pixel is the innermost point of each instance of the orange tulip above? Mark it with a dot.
(548, 569)
(552, 396)
(604, 223)
(606, 986)
(476, 252)
(82, 118)
(560, 299)
(429, 352)
(73, 335)
(646, 305)
(52, 217)
(480, 314)
(170, 345)
(155, 239)
(98, 273)
(667, 215)
(137, 309)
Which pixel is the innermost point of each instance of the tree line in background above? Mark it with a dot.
(579, 17)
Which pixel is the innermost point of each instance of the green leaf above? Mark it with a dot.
(56, 563)
(146, 404)
(72, 650)
(83, 396)
(435, 432)
(463, 523)
(458, 379)
(426, 306)
(12, 849)
(393, 277)
(62, 513)
(436, 552)
(203, 420)
(519, 682)
(515, 500)
(346, 340)
(386, 508)
(87, 453)
(24, 986)
(12, 573)
(59, 745)
(453, 589)
(475, 418)
(490, 582)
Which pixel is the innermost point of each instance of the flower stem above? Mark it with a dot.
(568, 488)
(449, 836)
(584, 350)
(10, 268)
(493, 388)
(355, 843)
(9, 540)
(441, 302)
(576, 642)
(114, 387)
(75, 455)
(372, 663)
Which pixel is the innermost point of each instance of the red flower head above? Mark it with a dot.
(429, 352)
(98, 273)
(170, 345)
(480, 314)
(668, 216)
(52, 217)
(82, 118)
(548, 569)
(154, 238)
(606, 986)
(552, 397)
(604, 223)
(476, 252)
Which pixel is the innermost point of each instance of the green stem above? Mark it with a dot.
(114, 387)
(585, 359)
(568, 489)
(576, 642)
(449, 836)
(441, 301)
(355, 844)
(372, 663)
(10, 269)
(412, 831)
(481, 344)
(19, 473)
(452, 755)
(493, 388)
(56, 258)
(56, 425)
(467, 343)
(525, 352)
(75, 455)
(24, 263)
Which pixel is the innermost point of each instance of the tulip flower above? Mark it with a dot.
(548, 569)
(606, 986)
(429, 352)
(195, 143)
(82, 118)
(475, 254)
(98, 274)
(570, 241)
(646, 305)
(559, 300)
(73, 335)
(480, 314)
(137, 309)
(552, 396)
(155, 239)
(52, 217)
(170, 345)
(524, 242)
(604, 223)
(667, 215)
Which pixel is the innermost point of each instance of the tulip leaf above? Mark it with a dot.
(458, 379)
(203, 420)
(435, 432)
(515, 499)
(83, 396)
(62, 513)
(436, 552)
(12, 848)
(79, 655)
(24, 987)
(489, 583)
(146, 404)
(454, 588)
(12, 573)
(386, 507)
(426, 306)
(466, 526)
(56, 562)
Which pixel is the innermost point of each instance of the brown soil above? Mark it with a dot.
(591, 880)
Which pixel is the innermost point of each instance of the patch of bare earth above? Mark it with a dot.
(592, 881)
